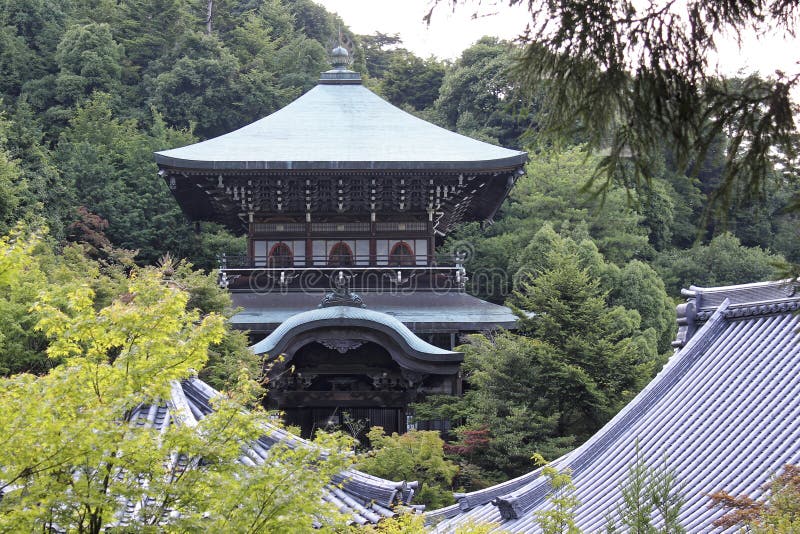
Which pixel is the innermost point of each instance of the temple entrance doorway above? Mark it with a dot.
(346, 384)
(351, 420)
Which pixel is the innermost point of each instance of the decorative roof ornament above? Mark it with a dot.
(341, 56)
(790, 289)
(342, 346)
(341, 295)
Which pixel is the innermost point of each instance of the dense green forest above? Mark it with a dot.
(90, 88)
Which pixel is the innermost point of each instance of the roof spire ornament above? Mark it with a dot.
(340, 56)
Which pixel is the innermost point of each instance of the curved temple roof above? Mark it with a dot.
(340, 124)
(367, 498)
(724, 412)
(418, 354)
(346, 315)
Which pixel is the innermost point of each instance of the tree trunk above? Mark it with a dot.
(209, 16)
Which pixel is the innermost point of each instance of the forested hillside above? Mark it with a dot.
(90, 88)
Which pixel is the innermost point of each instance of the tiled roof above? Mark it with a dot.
(367, 499)
(709, 298)
(724, 413)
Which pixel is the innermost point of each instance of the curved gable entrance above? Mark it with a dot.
(346, 366)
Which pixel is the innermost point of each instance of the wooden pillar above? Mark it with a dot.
(431, 238)
(373, 244)
(309, 242)
(251, 252)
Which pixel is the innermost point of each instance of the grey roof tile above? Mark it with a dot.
(724, 413)
(339, 315)
(365, 497)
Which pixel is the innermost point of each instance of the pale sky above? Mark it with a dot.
(451, 32)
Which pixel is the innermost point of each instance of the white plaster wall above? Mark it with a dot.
(421, 251)
(362, 251)
(260, 253)
(320, 252)
(299, 251)
(382, 249)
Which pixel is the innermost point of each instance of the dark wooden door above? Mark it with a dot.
(353, 420)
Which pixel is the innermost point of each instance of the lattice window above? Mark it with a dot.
(401, 255)
(280, 256)
(341, 255)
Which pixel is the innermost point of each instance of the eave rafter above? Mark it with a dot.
(234, 198)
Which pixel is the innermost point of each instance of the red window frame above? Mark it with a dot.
(280, 261)
(343, 256)
(404, 259)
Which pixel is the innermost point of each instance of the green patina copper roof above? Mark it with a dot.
(340, 124)
(421, 311)
(349, 315)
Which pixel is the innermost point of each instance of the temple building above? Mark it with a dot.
(366, 499)
(722, 415)
(344, 198)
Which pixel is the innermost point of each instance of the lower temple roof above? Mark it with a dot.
(421, 311)
(723, 414)
(366, 498)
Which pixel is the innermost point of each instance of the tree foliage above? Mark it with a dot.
(780, 512)
(21, 348)
(411, 81)
(479, 97)
(90, 90)
(634, 77)
(416, 455)
(579, 360)
(723, 261)
(93, 89)
(12, 184)
(377, 52)
(647, 492)
(560, 518)
(104, 159)
(72, 458)
(88, 59)
(103, 269)
(551, 191)
(607, 354)
(415, 524)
